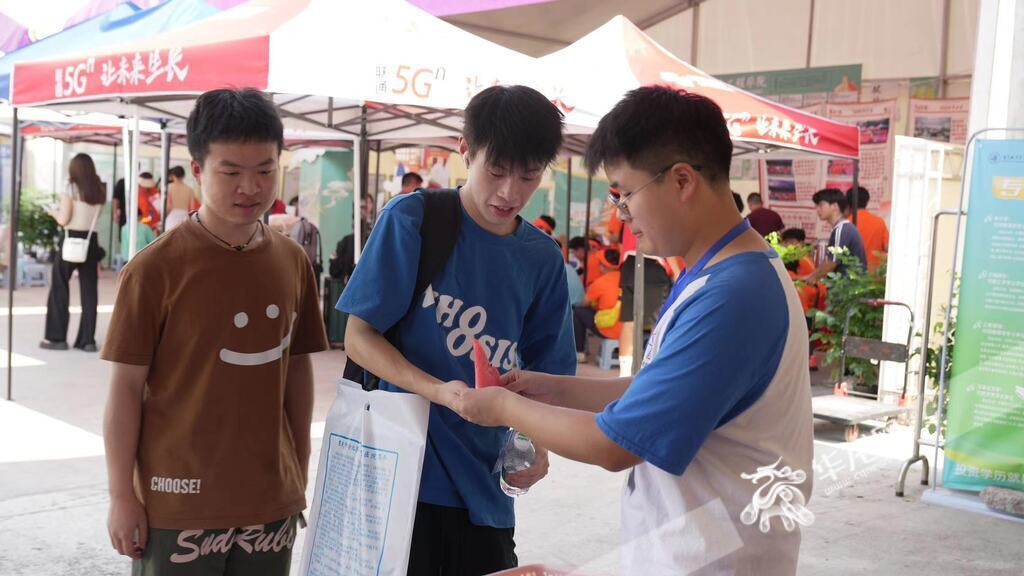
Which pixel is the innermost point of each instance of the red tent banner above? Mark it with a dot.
(190, 69)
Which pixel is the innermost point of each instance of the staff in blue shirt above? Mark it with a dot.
(716, 427)
(504, 284)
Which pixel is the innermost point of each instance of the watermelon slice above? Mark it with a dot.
(486, 375)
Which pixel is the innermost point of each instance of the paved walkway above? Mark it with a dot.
(53, 501)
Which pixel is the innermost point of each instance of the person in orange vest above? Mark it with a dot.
(545, 224)
(873, 229)
(812, 296)
(602, 296)
(149, 197)
(582, 253)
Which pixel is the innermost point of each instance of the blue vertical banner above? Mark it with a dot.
(985, 427)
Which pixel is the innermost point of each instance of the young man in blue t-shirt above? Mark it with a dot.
(504, 284)
(716, 427)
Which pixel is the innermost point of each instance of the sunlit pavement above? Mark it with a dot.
(53, 501)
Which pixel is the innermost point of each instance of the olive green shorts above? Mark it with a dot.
(261, 550)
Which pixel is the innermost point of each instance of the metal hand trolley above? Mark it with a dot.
(851, 408)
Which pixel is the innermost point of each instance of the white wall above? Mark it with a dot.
(675, 34)
(890, 38)
(748, 35)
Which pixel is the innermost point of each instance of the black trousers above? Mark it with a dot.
(583, 320)
(446, 543)
(58, 315)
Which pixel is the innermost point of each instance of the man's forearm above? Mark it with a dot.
(822, 271)
(298, 406)
(570, 433)
(369, 348)
(590, 394)
(122, 422)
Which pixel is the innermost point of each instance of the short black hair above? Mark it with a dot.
(830, 196)
(754, 197)
(146, 175)
(551, 221)
(654, 126)
(177, 171)
(863, 197)
(410, 177)
(517, 125)
(577, 243)
(797, 234)
(232, 115)
(738, 200)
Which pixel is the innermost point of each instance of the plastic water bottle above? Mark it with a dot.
(517, 454)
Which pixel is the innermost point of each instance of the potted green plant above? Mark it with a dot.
(845, 291)
(791, 254)
(36, 228)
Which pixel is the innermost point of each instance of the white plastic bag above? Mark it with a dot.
(367, 484)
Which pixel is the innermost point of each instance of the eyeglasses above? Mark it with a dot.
(621, 201)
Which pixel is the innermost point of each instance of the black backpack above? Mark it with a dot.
(442, 215)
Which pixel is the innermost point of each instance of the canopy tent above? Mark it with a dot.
(409, 88)
(631, 59)
(422, 73)
(422, 70)
(125, 22)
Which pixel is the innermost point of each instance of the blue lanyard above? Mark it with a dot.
(688, 275)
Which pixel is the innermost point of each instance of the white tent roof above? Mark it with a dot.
(630, 59)
(323, 60)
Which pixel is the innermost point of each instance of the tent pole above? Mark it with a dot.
(568, 210)
(376, 184)
(586, 223)
(944, 54)
(810, 36)
(131, 188)
(12, 267)
(695, 34)
(639, 321)
(165, 165)
(110, 239)
(856, 191)
(360, 150)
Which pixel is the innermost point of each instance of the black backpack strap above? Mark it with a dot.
(442, 215)
(439, 231)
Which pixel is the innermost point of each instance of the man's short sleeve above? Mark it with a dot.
(547, 344)
(135, 326)
(381, 287)
(833, 240)
(309, 328)
(718, 356)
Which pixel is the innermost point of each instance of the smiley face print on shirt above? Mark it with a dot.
(241, 322)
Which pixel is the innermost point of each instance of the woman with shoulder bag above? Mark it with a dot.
(79, 209)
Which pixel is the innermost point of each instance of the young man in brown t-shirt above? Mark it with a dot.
(211, 395)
